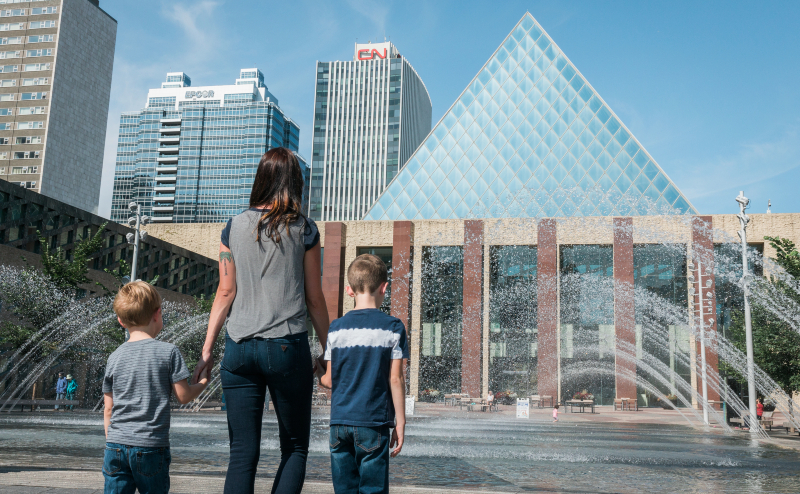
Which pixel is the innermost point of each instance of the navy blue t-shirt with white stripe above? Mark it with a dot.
(361, 346)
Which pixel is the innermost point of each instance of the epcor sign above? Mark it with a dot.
(199, 94)
(372, 54)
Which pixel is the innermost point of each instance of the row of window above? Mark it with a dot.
(6, 69)
(34, 11)
(34, 81)
(28, 110)
(21, 155)
(23, 96)
(22, 125)
(18, 40)
(26, 185)
(20, 26)
(42, 52)
(19, 170)
(4, 141)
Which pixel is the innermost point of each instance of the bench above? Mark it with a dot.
(39, 403)
(713, 403)
(629, 403)
(581, 404)
(765, 420)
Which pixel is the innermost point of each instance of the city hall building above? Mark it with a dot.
(370, 114)
(191, 154)
(535, 246)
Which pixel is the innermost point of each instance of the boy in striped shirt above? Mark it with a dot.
(365, 351)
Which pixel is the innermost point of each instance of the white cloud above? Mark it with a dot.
(377, 12)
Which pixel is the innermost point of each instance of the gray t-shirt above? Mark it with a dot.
(140, 375)
(270, 297)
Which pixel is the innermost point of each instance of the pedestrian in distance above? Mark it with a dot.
(365, 355)
(140, 377)
(72, 388)
(270, 272)
(555, 413)
(61, 388)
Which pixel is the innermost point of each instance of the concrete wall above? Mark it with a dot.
(76, 127)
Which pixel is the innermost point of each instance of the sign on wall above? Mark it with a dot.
(523, 408)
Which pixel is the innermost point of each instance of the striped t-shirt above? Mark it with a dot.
(139, 375)
(361, 346)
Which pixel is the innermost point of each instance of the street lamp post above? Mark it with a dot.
(136, 222)
(701, 307)
(751, 378)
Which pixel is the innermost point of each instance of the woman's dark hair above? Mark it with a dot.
(278, 187)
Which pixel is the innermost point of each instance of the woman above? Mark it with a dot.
(269, 266)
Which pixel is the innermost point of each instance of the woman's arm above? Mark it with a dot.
(315, 300)
(226, 292)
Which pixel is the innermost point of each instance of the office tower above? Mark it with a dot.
(370, 114)
(190, 156)
(56, 59)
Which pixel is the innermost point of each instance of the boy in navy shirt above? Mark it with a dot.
(365, 351)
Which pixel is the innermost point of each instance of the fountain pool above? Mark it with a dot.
(492, 452)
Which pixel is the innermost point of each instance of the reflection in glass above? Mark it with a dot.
(385, 255)
(587, 322)
(512, 321)
(441, 314)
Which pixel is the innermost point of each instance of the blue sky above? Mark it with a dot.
(710, 89)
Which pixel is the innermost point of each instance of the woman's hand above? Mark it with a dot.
(206, 363)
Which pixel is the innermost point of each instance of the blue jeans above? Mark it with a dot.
(249, 368)
(359, 459)
(127, 468)
(59, 396)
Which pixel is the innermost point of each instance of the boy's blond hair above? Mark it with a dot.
(366, 273)
(136, 302)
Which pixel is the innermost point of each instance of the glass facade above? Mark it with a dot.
(512, 320)
(587, 322)
(529, 137)
(196, 163)
(385, 255)
(662, 331)
(442, 311)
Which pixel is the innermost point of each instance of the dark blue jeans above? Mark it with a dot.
(249, 368)
(127, 468)
(360, 459)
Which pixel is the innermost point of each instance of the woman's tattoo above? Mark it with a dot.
(224, 259)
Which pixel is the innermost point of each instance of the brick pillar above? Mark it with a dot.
(703, 256)
(333, 268)
(402, 240)
(624, 308)
(472, 322)
(547, 310)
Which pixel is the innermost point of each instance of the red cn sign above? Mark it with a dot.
(368, 54)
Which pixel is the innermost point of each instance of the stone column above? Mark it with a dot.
(547, 311)
(703, 253)
(333, 268)
(624, 308)
(402, 240)
(472, 322)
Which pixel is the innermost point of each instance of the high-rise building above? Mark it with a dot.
(190, 156)
(56, 58)
(529, 137)
(370, 115)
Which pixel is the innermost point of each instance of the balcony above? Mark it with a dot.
(167, 169)
(163, 209)
(167, 159)
(170, 130)
(169, 140)
(161, 219)
(169, 150)
(170, 121)
(164, 198)
(166, 178)
(164, 188)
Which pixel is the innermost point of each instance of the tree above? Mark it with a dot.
(68, 274)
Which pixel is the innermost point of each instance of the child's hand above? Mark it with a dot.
(397, 439)
(204, 375)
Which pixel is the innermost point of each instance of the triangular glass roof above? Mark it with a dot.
(529, 137)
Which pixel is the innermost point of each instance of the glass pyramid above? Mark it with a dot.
(529, 137)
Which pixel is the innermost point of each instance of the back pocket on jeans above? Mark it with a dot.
(284, 356)
(112, 461)
(149, 463)
(233, 358)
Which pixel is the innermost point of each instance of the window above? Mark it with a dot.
(8, 83)
(12, 13)
(161, 102)
(5, 69)
(2, 170)
(26, 185)
(11, 54)
(32, 110)
(7, 97)
(43, 52)
(4, 2)
(28, 140)
(33, 96)
(44, 10)
(4, 141)
(37, 66)
(29, 125)
(18, 170)
(39, 38)
(4, 155)
(5, 126)
(42, 24)
(36, 81)
(16, 26)
(26, 155)
(17, 40)
(4, 112)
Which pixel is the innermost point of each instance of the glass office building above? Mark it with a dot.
(529, 137)
(370, 114)
(190, 156)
